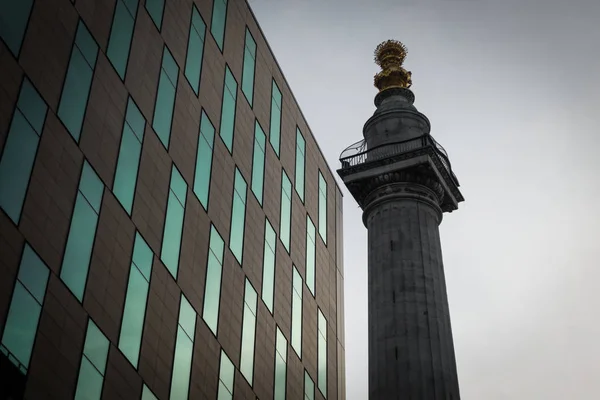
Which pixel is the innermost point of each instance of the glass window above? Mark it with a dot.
(238, 217)
(20, 149)
(78, 82)
(204, 160)
(193, 61)
(217, 26)
(275, 132)
(13, 23)
(228, 108)
(322, 354)
(300, 160)
(121, 34)
(248, 333)
(258, 162)
(268, 278)
(132, 324)
(165, 98)
(280, 366)
(322, 207)
(174, 222)
(25, 309)
(297, 312)
(184, 348)
(309, 387)
(155, 9)
(285, 220)
(93, 364)
(147, 394)
(212, 286)
(78, 251)
(130, 152)
(249, 66)
(310, 255)
(226, 376)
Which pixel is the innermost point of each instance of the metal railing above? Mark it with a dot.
(358, 153)
(354, 148)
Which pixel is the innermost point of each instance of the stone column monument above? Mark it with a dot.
(403, 181)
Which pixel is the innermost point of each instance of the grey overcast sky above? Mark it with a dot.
(512, 89)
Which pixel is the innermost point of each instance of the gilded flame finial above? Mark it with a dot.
(390, 55)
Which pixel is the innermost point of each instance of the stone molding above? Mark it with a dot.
(361, 189)
(394, 188)
(395, 91)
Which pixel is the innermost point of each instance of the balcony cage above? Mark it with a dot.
(358, 153)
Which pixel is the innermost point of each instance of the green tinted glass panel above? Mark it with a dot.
(238, 217)
(322, 208)
(131, 5)
(184, 348)
(310, 255)
(322, 354)
(174, 223)
(280, 366)
(178, 185)
(89, 383)
(93, 364)
(297, 313)
(96, 347)
(91, 187)
(204, 160)
(275, 132)
(217, 25)
(193, 61)
(129, 156)
(78, 251)
(147, 394)
(133, 316)
(155, 9)
(19, 152)
(268, 281)
(13, 23)
(212, 288)
(121, 34)
(248, 333)
(74, 97)
(248, 69)
(187, 317)
(86, 44)
(165, 98)
(258, 162)
(134, 313)
(224, 393)
(300, 160)
(142, 256)
(82, 232)
(226, 376)
(228, 108)
(286, 211)
(32, 106)
(135, 120)
(21, 324)
(33, 274)
(309, 387)
(182, 365)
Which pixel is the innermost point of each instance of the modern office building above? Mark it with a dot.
(169, 228)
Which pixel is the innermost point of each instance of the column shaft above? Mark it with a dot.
(411, 353)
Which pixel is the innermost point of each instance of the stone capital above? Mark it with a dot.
(400, 191)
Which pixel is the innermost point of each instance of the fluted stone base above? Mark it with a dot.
(411, 352)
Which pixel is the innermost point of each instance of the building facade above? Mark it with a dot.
(169, 227)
